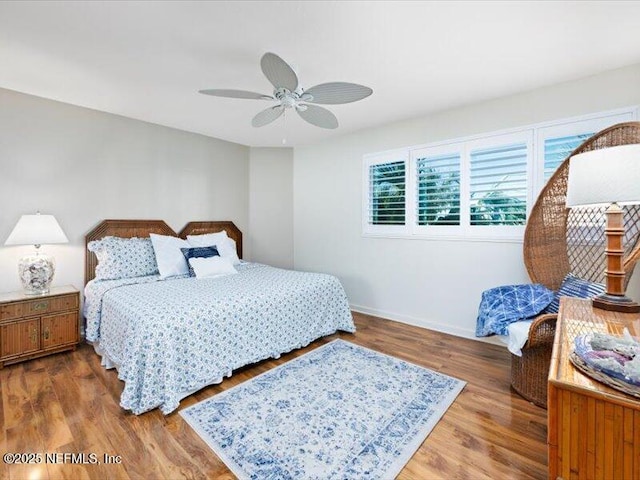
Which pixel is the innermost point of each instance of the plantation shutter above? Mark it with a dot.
(559, 148)
(498, 185)
(387, 183)
(438, 199)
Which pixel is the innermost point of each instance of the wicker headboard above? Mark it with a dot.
(142, 228)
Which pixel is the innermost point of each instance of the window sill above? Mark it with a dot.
(450, 238)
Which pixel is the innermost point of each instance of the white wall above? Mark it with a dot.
(436, 284)
(271, 206)
(84, 166)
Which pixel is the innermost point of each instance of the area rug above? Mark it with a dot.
(339, 411)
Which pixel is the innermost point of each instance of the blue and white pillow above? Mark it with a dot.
(573, 286)
(504, 305)
(198, 252)
(123, 257)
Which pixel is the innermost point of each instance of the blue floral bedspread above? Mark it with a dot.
(501, 306)
(170, 338)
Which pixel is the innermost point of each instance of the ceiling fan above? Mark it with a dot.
(289, 94)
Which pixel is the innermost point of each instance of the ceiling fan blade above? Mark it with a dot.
(318, 116)
(223, 92)
(278, 72)
(334, 93)
(267, 116)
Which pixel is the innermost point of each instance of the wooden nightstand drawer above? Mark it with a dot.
(11, 310)
(66, 302)
(38, 307)
(25, 309)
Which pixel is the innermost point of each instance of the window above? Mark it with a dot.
(480, 187)
(557, 149)
(386, 194)
(498, 185)
(556, 142)
(438, 189)
(474, 188)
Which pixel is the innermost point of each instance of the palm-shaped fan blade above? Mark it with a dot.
(318, 116)
(278, 72)
(267, 116)
(334, 93)
(223, 92)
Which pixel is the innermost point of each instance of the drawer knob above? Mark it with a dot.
(34, 336)
(41, 306)
(46, 333)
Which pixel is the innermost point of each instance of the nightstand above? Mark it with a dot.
(34, 326)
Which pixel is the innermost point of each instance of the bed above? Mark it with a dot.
(170, 338)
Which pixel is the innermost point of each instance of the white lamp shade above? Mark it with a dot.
(36, 230)
(605, 176)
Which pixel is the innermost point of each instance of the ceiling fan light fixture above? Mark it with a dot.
(289, 93)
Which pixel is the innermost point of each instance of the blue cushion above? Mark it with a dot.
(573, 286)
(501, 306)
(198, 252)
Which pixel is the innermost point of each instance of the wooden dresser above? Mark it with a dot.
(33, 326)
(593, 430)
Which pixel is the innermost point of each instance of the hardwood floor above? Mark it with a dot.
(70, 403)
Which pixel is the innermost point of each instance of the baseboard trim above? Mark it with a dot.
(424, 323)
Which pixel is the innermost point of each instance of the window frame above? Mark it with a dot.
(534, 136)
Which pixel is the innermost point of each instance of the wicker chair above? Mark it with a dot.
(558, 241)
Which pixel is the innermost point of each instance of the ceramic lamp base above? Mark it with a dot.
(36, 273)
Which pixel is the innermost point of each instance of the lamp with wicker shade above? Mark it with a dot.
(608, 176)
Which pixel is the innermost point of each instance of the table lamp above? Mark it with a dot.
(608, 176)
(36, 271)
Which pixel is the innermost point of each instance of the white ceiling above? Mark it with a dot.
(147, 60)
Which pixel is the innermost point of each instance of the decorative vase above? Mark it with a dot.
(36, 273)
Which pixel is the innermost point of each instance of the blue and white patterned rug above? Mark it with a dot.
(339, 411)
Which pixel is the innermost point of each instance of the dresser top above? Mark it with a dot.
(577, 317)
(19, 296)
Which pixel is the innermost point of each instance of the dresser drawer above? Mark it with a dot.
(39, 306)
(65, 302)
(11, 310)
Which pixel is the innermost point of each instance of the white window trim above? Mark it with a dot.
(535, 135)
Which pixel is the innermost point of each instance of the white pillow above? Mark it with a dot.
(212, 267)
(207, 239)
(171, 261)
(226, 246)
